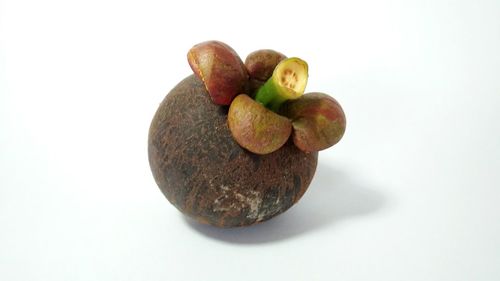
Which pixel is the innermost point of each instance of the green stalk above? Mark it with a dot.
(288, 82)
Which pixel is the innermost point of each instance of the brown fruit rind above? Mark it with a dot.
(205, 174)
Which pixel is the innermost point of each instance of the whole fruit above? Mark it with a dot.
(203, 171)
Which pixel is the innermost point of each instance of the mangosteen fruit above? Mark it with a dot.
(207, 175)
(237, 143)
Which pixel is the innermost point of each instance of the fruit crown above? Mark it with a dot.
(266, 99)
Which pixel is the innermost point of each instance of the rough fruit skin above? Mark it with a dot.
(221, 70)
(205, 174)
(257, 128)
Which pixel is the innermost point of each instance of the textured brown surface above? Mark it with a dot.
(207, 175)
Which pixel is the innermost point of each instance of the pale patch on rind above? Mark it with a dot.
(231, 200)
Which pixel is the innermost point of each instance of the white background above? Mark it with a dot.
(412, 192)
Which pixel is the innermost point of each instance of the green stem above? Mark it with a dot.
(288, 82)
(269, 96)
